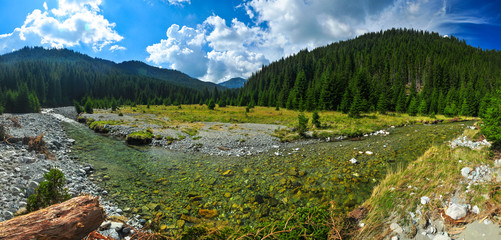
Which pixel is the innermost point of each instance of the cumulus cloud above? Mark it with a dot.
(282, 27)
(74, 22)
(182, 50)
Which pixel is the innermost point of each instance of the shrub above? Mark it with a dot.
(2, 133)
(50, 191)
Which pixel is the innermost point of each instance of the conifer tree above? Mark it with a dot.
(413, 107)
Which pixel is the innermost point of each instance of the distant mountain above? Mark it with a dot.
(57, 77)
(171, 76)
(237, 82)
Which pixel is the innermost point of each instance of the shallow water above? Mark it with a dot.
(251, 189)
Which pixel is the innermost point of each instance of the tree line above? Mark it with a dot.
(397, 70)
(34, 77)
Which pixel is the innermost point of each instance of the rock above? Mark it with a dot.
(353, 160)
(394, 238)
(425, 200)
(21, 211)
(396, 228)
(117, 226)
(456, 211)
(228, 173)
(465, 171)
(154, 206)
(126, 230)
(180, 223)
(206, 213)
(475, 210)
(369, 153)
(105, 225)
(443, 236)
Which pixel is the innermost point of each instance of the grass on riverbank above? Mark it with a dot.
(333, 123)
(437, 175)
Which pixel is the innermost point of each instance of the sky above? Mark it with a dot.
(215, 40)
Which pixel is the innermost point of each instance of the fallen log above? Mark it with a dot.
(73, 219)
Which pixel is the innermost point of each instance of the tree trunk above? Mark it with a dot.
(73, 219)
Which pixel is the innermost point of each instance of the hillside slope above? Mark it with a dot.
(395, 70)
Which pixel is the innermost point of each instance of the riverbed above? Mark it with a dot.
(248, 190)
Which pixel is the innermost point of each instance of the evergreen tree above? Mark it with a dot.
(382, 104)
(88, 107)
(413, 107)
(423, 108)
(211, 105)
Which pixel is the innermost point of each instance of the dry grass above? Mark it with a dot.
(436, 174)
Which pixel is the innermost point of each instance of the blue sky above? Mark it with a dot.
(215, 40)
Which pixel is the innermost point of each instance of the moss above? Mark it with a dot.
(101, 126)
(140, 137)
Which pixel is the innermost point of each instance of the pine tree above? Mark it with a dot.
(88, 107)
(211, 105)
(413, 107)
(423, 108)
(382, 104)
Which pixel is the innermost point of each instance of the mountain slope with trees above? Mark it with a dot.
(396, 70)
(34, 77)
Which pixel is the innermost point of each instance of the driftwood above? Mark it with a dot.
(73, 219)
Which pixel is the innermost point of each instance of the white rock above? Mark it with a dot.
(394, 238)
(465, 171)
(396, 228)
(353, 160)
(475, 209)
(442, 237)
(425, 200)
(456, 211)
(369, 153)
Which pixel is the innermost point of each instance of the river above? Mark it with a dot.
(247, 190)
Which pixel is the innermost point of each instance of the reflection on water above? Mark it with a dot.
(251, 189)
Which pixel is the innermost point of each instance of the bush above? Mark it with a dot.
(2, 133)
(50, 191)
(302, 124)
(492, 120)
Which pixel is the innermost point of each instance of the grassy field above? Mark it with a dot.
(333, 123)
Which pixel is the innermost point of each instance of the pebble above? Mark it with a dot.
(353, 160)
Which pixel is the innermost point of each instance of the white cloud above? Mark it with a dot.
(117, 48)
(178, 2)
(182, 50)
(74, 22)
(282, 27)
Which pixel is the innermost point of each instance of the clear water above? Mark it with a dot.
(252, 189)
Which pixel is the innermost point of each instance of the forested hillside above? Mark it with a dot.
(34, 77)
(395, 70)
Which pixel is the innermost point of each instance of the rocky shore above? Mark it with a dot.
(21, 170)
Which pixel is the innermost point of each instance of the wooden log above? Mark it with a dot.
(73, 219)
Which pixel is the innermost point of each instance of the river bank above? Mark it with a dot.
(21, 169)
